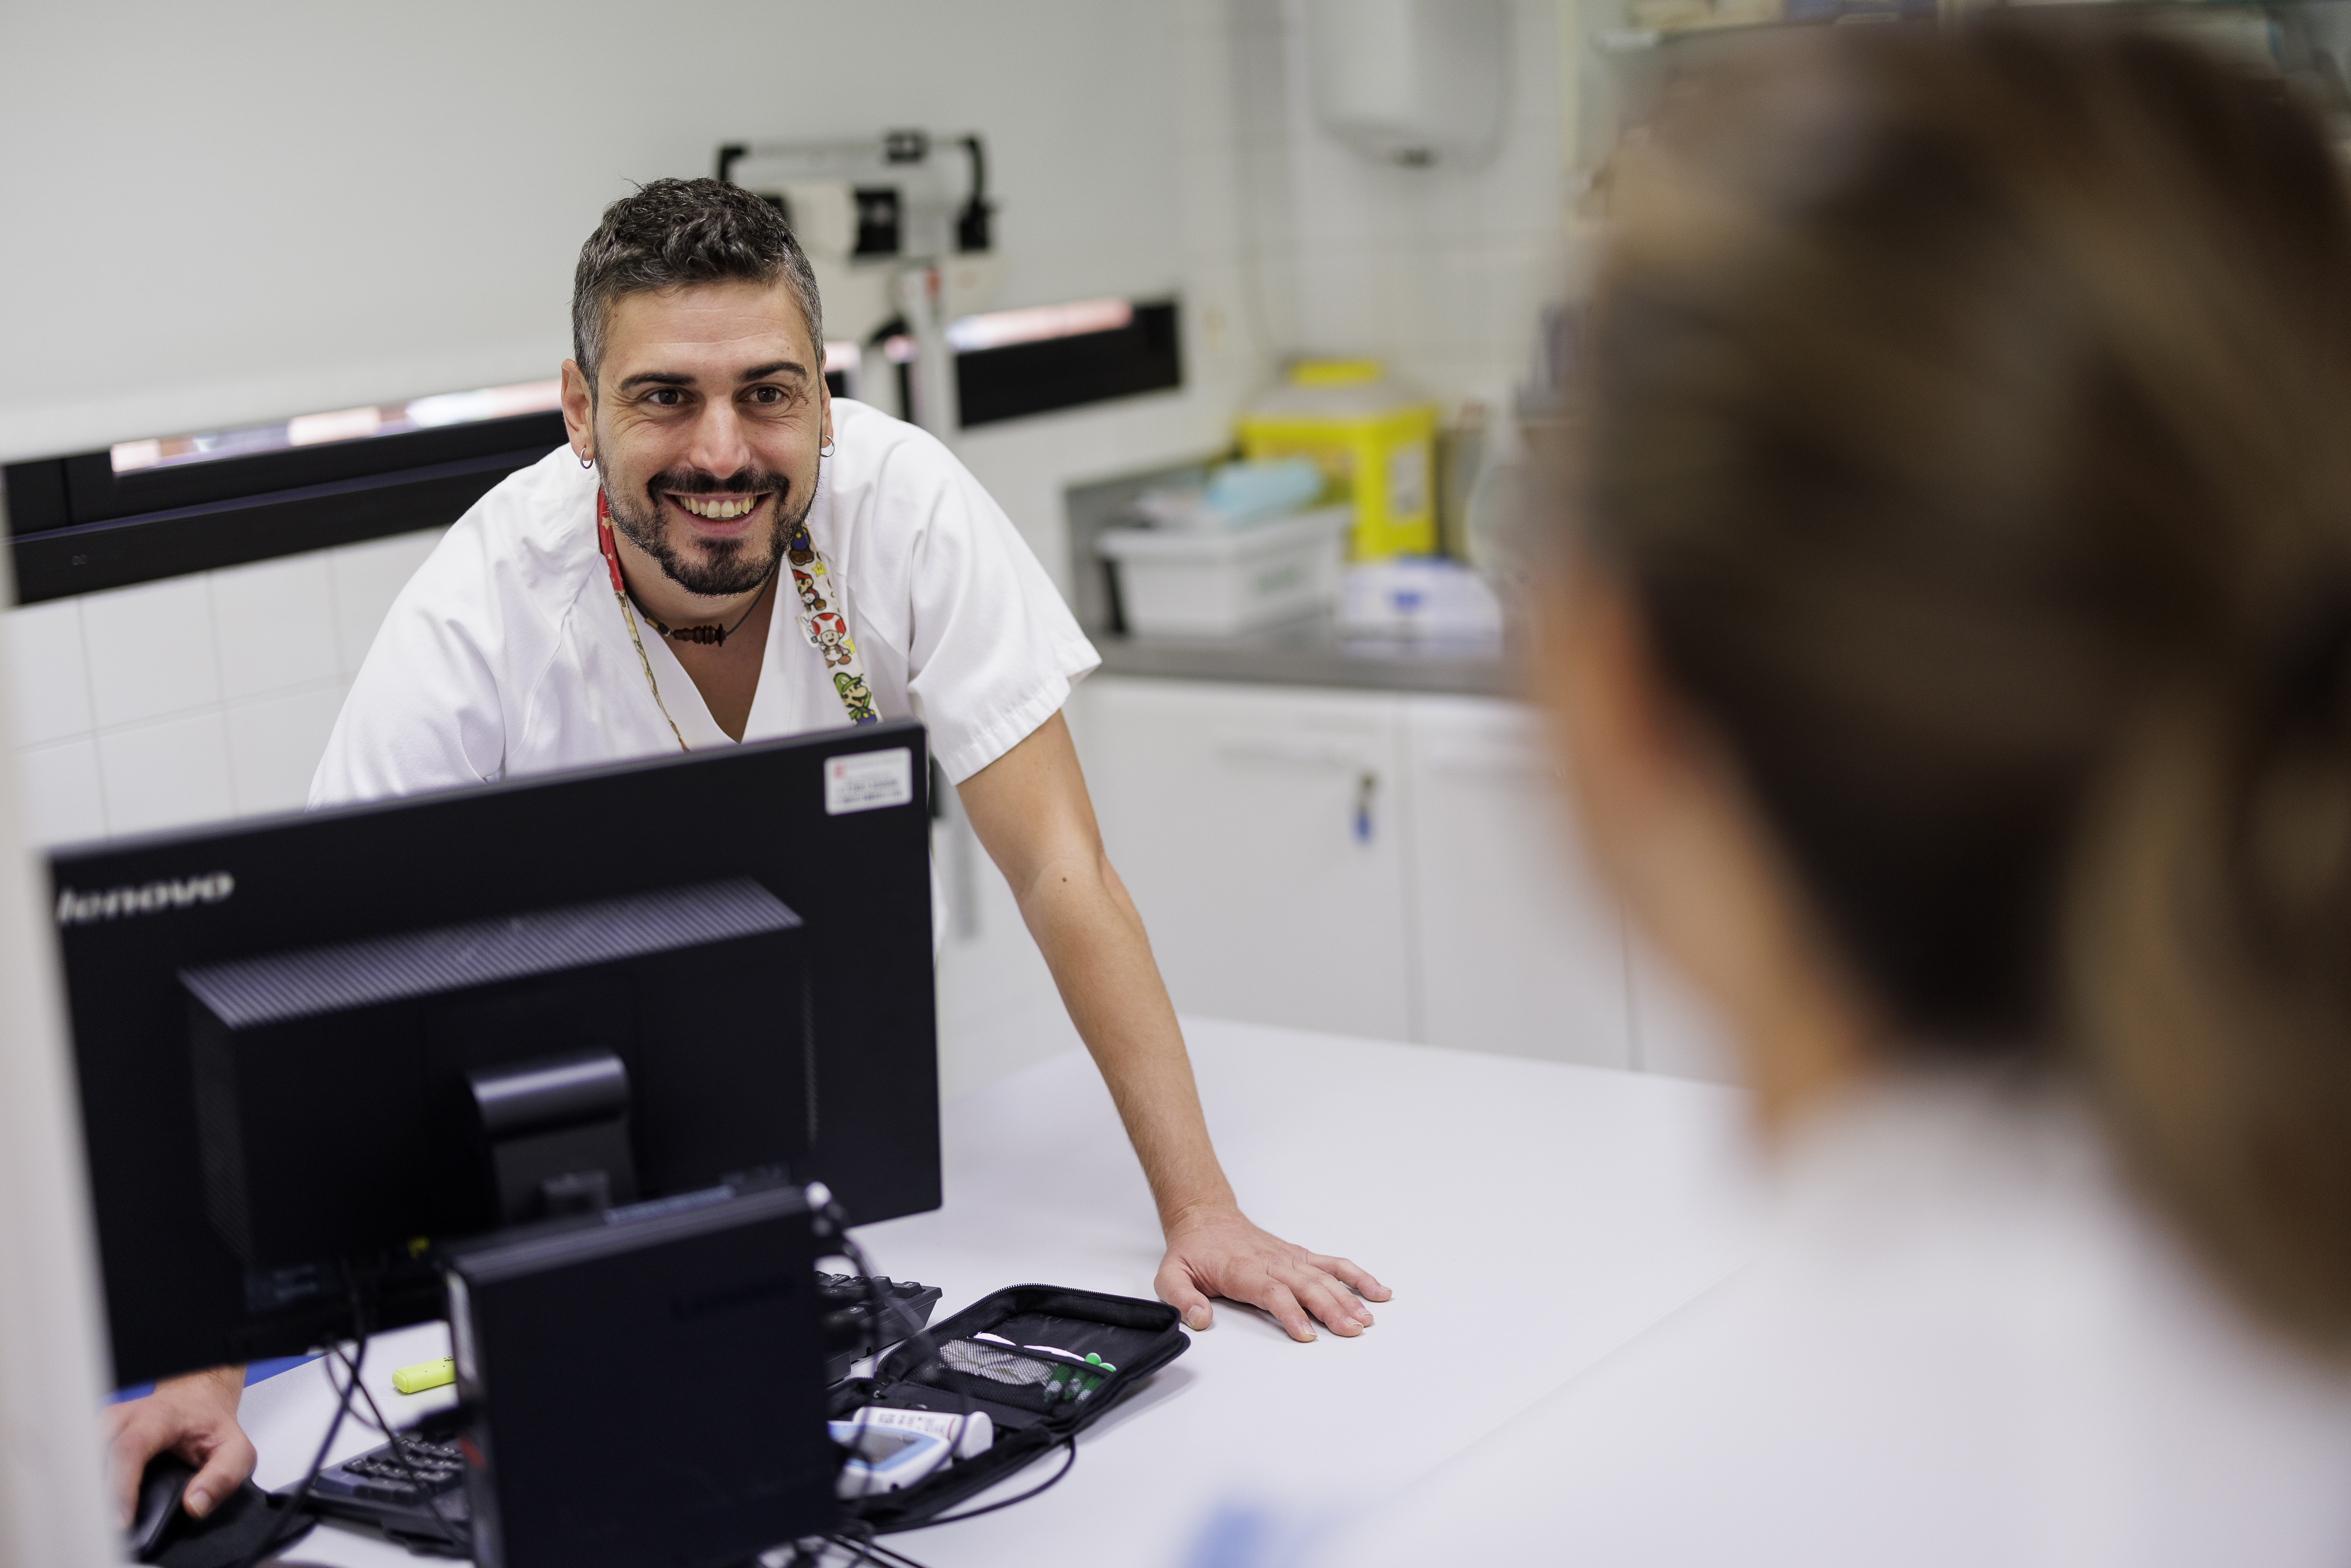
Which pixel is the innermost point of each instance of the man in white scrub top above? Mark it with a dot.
(507, 654)
(725, 553)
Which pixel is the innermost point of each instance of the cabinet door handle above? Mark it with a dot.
(1367, 784)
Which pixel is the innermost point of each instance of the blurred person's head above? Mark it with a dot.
(1955, 653)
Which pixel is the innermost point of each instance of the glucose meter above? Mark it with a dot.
(883, 1458)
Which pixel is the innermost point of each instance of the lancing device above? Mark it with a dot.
(425, 1375)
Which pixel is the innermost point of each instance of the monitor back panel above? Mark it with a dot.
(133, 916)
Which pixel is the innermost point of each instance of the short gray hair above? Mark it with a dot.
(675, 233)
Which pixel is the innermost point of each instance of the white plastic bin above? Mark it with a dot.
(1216, 585)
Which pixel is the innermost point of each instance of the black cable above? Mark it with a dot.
(449, 1530)
(859, 1547)
(294, 1507)
(877, 1305)
(279, 1536)
(857, 1536)
(873, 1547)
(928, 1347)
(1051, 1481)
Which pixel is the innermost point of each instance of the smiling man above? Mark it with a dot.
(725, 552)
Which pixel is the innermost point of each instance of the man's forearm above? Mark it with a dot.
(1093, 942)
(1030, 808)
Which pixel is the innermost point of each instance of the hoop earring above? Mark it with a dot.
(585, 461)
(826, 450)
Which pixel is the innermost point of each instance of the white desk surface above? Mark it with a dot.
(1531, 1219)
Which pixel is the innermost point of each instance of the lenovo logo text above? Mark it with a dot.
(77, 908)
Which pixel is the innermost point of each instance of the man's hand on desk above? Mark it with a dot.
(1217, 1252)
(193, 1415)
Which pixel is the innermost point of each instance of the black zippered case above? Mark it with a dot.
(1135, 1336)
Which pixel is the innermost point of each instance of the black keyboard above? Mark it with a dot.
(420, 1504)
(845, 1309)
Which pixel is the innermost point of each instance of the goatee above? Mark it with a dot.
(718, 568)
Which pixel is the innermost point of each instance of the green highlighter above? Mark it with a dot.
(424, 1374)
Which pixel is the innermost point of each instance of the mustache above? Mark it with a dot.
(742, 482)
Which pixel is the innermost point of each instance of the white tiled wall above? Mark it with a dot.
(197, 698)
(1442, 271)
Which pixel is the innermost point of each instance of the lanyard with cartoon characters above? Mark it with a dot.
(825, 628)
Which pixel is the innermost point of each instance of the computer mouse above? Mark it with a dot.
(160, 1487)
(247, 1524)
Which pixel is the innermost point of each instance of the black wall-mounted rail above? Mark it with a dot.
(76, 526)
(1020, 379)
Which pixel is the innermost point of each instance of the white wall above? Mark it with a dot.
(223, 213)
(1196, 177)
(1442, 270)
(197, 698)
(251, 211)
(238, 212)
(270, 209)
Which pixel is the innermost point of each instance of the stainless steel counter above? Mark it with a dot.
(1314, 654)
(1308, 652)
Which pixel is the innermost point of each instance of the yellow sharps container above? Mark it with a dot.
(1375, 441)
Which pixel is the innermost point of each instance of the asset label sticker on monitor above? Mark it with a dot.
(868, 780)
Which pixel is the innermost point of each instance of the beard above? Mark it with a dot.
(725, 567)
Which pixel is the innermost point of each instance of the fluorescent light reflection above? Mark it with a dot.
(440, 410)
(1002, 328)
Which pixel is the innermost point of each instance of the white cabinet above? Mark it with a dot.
(1372, 864)
(1261, 833)
(1361, 862)
(1516, 948)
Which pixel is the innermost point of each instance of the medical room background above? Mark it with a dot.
(1270, 326)
(356, 207)
(1249, 332)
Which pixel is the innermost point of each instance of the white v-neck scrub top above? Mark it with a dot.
(505, 654)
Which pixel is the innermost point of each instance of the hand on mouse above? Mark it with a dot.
(1217, 1252)
(196, 1417)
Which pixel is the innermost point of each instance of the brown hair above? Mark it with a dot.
(675, 233)
(1970, 413)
